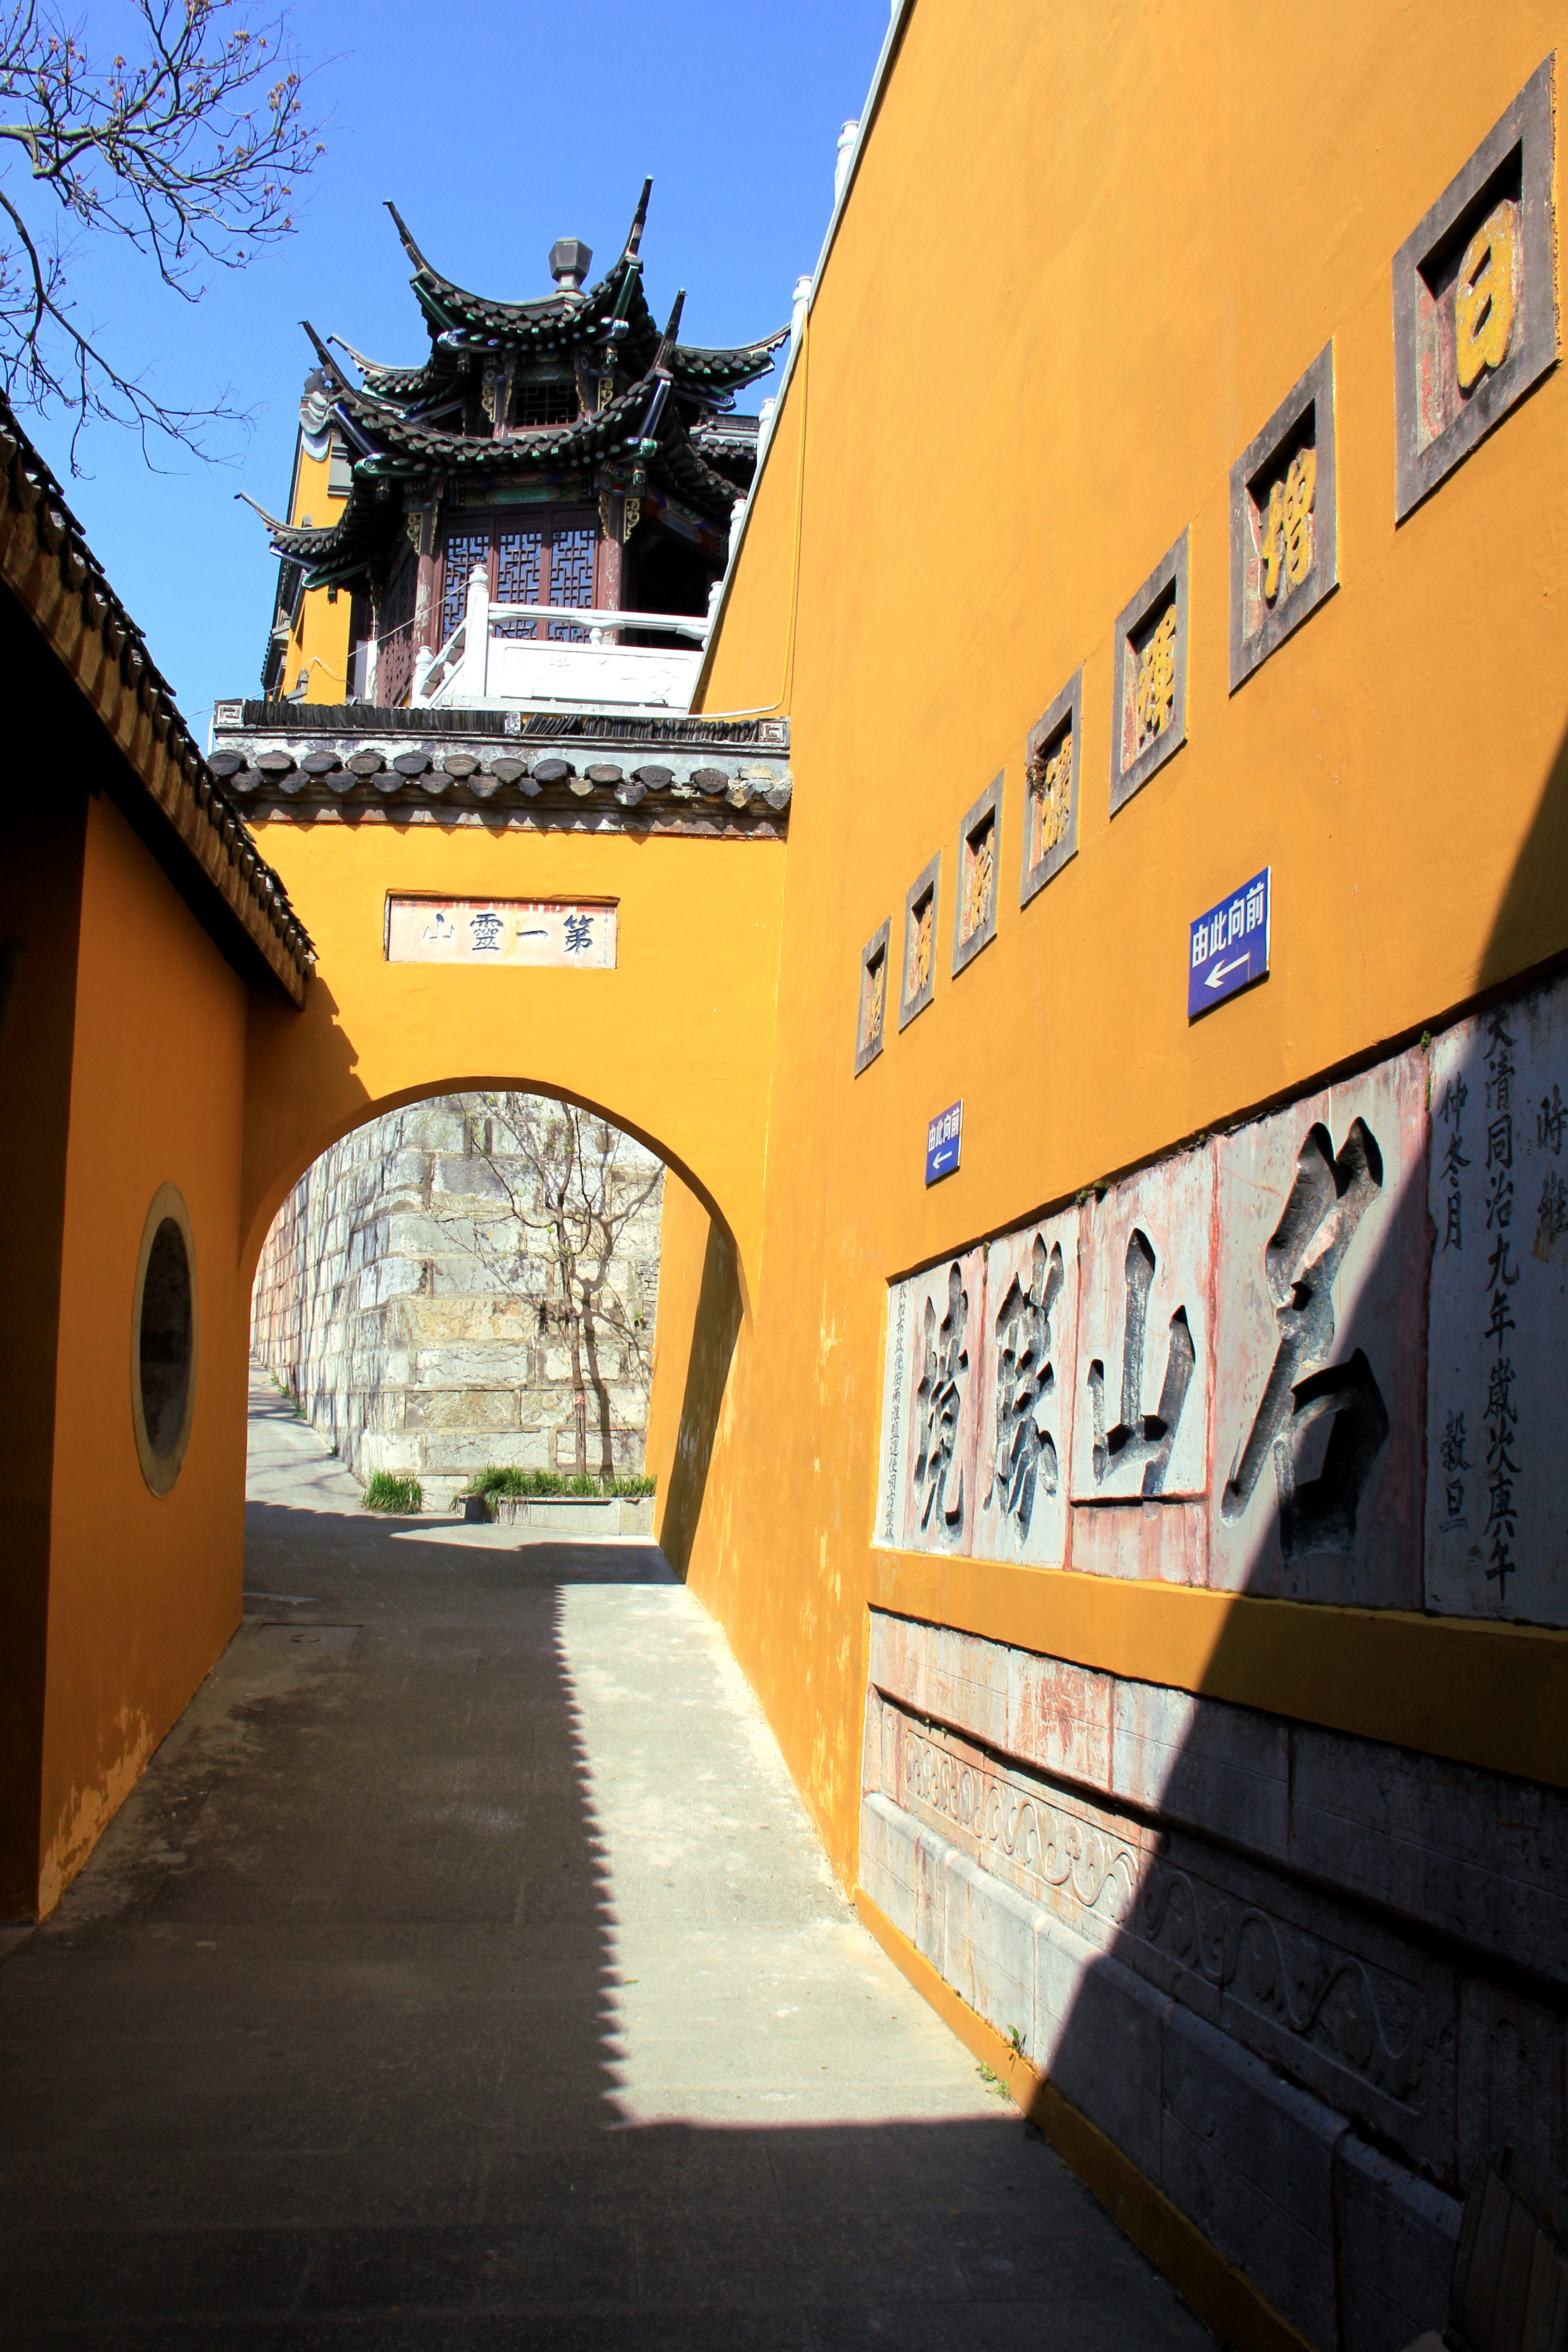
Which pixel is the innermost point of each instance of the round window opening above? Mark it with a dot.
(164, 1340)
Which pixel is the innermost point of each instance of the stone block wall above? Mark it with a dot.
(419, 1322)
(1303, 1979)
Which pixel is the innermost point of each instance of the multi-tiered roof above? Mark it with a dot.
(582, 389)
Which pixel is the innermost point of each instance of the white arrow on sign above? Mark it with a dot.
(941, 1159)
(1221, 970)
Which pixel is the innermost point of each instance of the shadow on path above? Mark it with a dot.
(464, 1972)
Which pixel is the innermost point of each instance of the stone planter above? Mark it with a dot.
(578, 1515)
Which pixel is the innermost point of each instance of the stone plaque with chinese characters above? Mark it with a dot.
(945, 1338)
(1284, 533)
(561, 934)
(1027, 1394)
(1497, 1395)
(1475, 298)
(1149, 714)
(1050, 790)
(1321, 1243)
(1139, 1429)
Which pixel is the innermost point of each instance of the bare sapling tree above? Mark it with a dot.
(575, 1191)
(187, 152)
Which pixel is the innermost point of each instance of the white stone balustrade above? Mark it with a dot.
(477, 666)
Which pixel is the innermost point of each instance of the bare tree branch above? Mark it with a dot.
(573, 1193)
(188, 154)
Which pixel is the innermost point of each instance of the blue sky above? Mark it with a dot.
(494, 129)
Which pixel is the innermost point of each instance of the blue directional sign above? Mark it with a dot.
(1228, 947)
(944, 1136)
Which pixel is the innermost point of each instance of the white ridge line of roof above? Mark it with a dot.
(902, 11)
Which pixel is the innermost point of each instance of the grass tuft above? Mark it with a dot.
(547, 1483)
(388, 1492)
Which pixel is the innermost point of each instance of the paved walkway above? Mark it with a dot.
(464, 1973)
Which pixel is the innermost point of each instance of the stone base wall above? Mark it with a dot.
(398, 1299)
(1304, 1981)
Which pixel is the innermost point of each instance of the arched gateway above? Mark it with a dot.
(494, 850)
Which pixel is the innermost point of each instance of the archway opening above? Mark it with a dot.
(461, 1296)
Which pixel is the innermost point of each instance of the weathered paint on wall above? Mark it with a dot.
(1139, 278)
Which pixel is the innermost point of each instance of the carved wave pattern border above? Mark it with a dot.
(1299, 1987)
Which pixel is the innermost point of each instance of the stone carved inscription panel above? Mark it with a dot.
(1026, 1392)
(1364, 1297)
(942, 1390)
(1318, 1381)
(1496, 1405)
(1141, 1423)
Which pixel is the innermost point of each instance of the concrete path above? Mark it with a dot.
(464, 1972)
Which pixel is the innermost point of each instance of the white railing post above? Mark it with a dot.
(471, 683)
(423, 661)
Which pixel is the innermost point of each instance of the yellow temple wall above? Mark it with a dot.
(672, 1044)
(318, 641)
(143, 1591)
(1083, 260)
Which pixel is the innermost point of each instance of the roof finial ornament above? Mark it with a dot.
(640, 219)
(570, 261)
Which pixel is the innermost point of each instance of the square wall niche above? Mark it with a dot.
(1475, 298)
(1148, 715)
(979, 855)
(919, 978)
(1283, 527)
(871, 1013)
(1050, 790)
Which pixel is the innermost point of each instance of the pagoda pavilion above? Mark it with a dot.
(560, 455)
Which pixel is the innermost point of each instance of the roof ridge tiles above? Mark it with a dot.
(172, 771)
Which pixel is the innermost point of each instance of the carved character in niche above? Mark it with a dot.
(1050, 798)
(1486, 295)
(1025, 1377)
(1156, 685)
(1139, 1436)
(873, 996)
(980, 879)
(1328, 1200)
(939, 1400)
(1286, 541)
(919, 946)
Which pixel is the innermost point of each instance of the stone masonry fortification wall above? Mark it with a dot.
(401, 1299)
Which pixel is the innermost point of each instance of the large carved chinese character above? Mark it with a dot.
(1024, 1452)
(1486, 295)
(1137, 1436)
(1148, 710)
(939, 1402)
(1301, 1264)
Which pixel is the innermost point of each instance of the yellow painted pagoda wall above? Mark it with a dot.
(318, 641)
(1084, 257)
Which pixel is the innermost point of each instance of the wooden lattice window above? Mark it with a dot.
(519, 572)
(464, 549)
(394, 652)
(571, 573)
(544, 404)
(547, 559)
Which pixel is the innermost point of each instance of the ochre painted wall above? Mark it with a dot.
(318, 641)
(1084, 258)
(673, 1044)
(144, 1592)
(41, 911)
